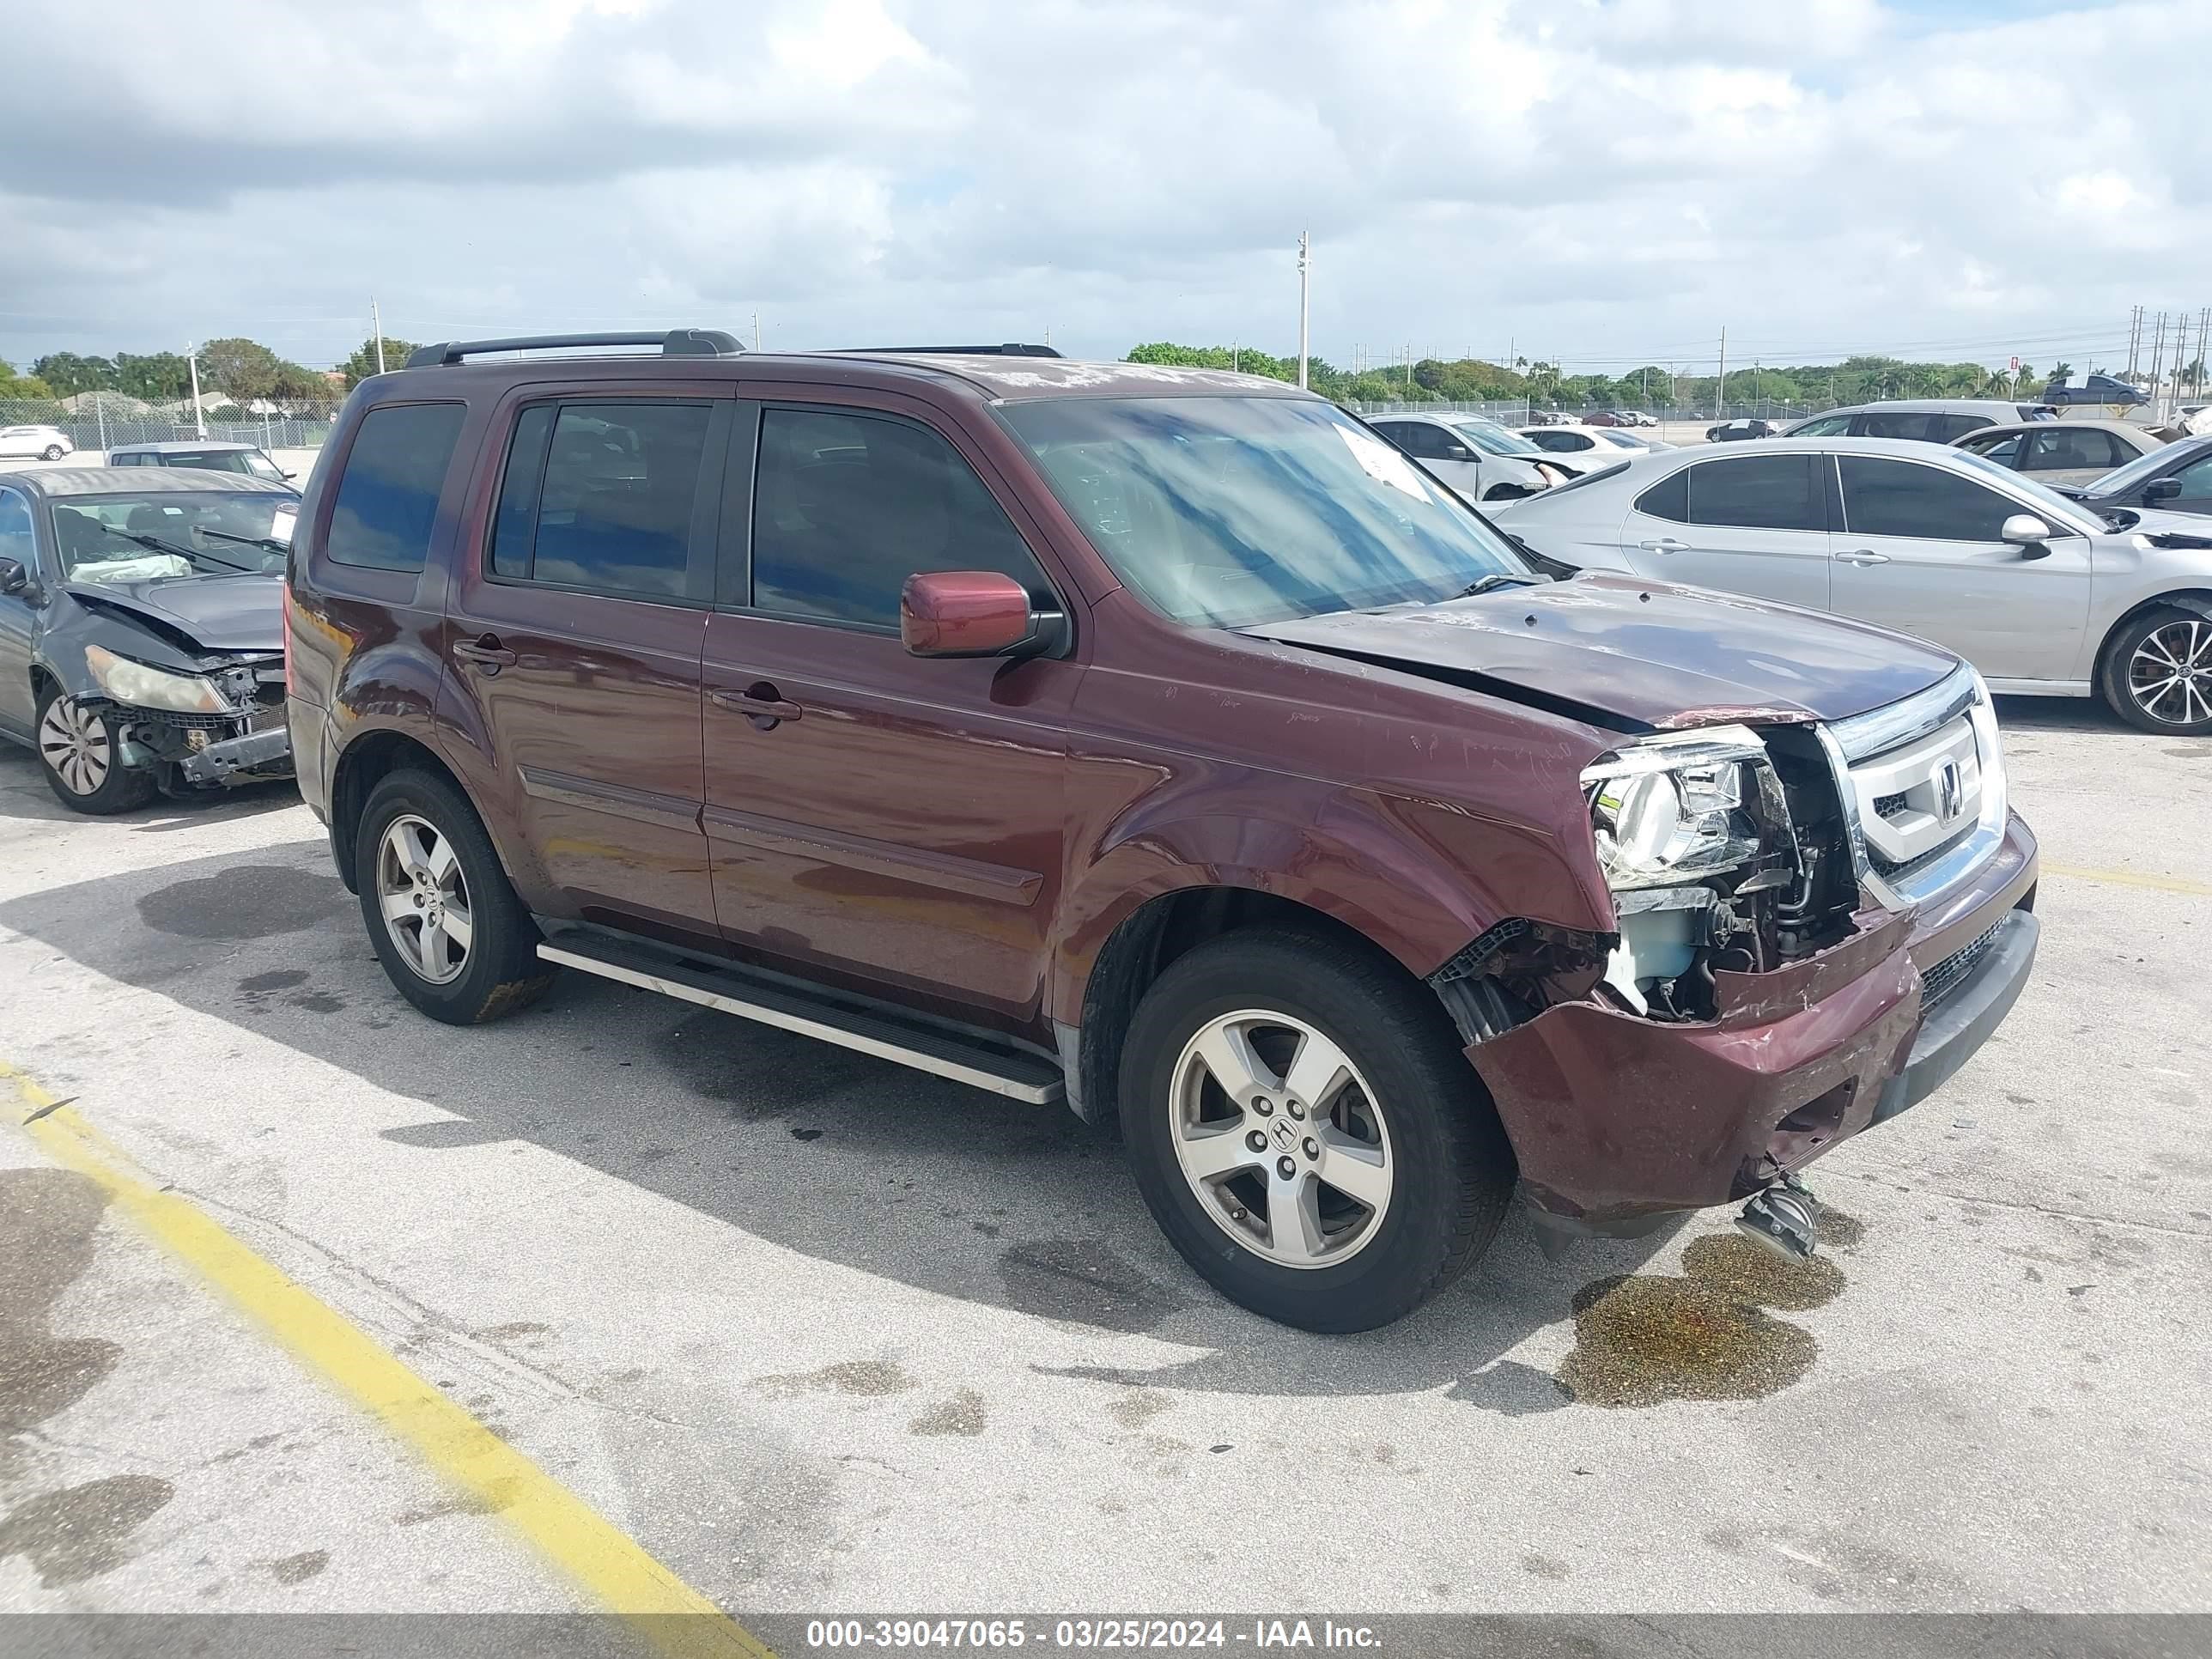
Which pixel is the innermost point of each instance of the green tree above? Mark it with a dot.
(297, 384)
(156, 377)
(20, 387)
(245, 368)
(362, 364)
(68, 373)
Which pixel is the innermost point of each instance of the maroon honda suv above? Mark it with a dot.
(1158, 740)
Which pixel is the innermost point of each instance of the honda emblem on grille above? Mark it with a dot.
(1950, 790)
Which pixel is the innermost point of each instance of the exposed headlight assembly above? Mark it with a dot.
(142, 687)
(1683, 806)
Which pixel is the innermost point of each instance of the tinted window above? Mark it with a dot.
(601, 497)
(848, 507)
(1828, 426)
(387, 499)
(1948, 426)
(1667, 499)
(1896, 498)
(1897, 424)
(2002, 447)
(2077, 448)
(1430, 443)
(2195, 480)
(1758, 492)
(15, 531)
(221, 460)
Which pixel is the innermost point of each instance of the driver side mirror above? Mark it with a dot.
(13, 578)
(1458, 453)
(2028, 533)
(974, 613)
(2161, 489)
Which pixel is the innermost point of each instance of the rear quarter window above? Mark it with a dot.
(387, 498)
(1669, 499)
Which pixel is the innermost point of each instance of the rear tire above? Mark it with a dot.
(82, 750)
(2156, 674)
(1402, 1118)
(447, 924)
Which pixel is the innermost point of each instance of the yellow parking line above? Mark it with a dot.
(2133, 879)
(612, 1567)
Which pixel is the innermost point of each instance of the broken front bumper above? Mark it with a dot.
(265, 754)
(1618, 1122)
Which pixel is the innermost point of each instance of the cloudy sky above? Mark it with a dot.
(1609, 182)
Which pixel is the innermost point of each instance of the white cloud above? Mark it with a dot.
(1597, 180)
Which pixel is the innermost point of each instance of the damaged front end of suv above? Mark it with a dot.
(1771, 977)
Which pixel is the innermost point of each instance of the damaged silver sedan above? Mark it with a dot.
(142, 630)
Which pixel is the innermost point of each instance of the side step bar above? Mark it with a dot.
(1002, 1071)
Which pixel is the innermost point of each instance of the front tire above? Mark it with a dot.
(82, 747)
(446, 922)
(2157, 672)
(1379, 1171)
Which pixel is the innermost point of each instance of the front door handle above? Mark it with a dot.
(1863, 556)
(760, 702)
(486, 652)
(1664, 544)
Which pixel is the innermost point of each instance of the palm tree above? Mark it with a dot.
(2059, 371)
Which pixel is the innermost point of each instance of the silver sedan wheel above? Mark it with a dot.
(424, 899)
(1281, 1139)
(2170, 675)
(73, 741)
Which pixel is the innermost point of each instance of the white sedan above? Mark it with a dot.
(1584, 448)
(48, 443)
(2044, 595)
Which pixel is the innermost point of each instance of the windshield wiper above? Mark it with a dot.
(269, 542)
(1493, 581)
(161, 546)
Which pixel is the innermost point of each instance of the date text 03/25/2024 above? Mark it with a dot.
(1085, 1634)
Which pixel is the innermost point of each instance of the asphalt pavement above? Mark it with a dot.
(820, 1334)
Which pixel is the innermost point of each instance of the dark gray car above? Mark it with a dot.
(141, 630)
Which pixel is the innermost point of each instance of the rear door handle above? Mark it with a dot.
(761, 704)
(486, 652)
(1664, 544)
(1862, 557)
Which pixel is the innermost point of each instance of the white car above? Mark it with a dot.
(48, 443)
(1479, 459)
(1637, 417)
(1586, 448)
(2045, 596)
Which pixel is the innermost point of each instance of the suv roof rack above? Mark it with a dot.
(674, 342)
(1010, 349)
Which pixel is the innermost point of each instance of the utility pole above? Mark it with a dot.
(1720, 390)
(756, 330)
(2157, 361)
(2135, 338)
(1304, 312)
(376, 331)
(199, 416)
(1236, 358)
(2203, 323)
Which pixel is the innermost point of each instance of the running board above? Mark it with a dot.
(1003, 1072)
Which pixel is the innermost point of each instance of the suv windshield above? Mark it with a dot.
(1491, 436)
(133, 538)
(1229, 512)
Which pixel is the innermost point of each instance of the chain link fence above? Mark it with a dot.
(100, 420)
(1513, 412)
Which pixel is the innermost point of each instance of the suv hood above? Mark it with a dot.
(1655, 655)
(242, 613)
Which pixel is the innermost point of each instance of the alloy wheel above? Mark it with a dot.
(1280, 1139)
(424, 898)
(73, 742)
(2170, 673)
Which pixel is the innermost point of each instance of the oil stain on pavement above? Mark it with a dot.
(253, 901)
(1643, 1338)
(47, 1219)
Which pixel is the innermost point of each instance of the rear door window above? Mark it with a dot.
(1883, 497)
(1669, 499)
(606, 497)
(847, 507)
(2063, 448)
(387, 499)
(1896, 423)
(1758, 492)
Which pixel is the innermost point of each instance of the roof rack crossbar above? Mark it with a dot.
(674, 342)
(1010, 349)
